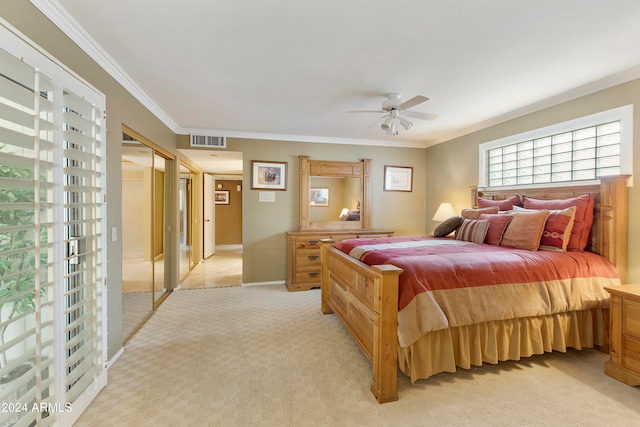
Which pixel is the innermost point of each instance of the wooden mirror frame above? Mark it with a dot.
(328, 168)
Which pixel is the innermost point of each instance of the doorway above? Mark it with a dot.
(216, 193)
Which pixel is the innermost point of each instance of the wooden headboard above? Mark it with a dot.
(609, 230)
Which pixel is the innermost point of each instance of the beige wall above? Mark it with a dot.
(264, 224)
(229, 217)
(452, 167)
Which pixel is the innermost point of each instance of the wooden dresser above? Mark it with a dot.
(303, 254)
(624, 355)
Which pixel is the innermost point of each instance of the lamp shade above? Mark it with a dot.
(445, 210)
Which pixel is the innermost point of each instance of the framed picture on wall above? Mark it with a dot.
(221, 197)
(267, 175)
(398, 178)
(319, 197)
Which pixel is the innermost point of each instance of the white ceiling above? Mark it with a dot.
(290, 69)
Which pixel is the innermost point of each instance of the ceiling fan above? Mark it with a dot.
(398, 111)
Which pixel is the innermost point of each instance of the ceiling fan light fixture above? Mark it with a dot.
(394, 126)
(386, 125)
(406, 124)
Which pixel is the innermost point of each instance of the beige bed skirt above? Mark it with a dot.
(492, 342)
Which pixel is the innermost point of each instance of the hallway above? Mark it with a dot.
(222, 270)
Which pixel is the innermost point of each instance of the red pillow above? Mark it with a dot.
(557, 229)
(497, 224)
(583, 219)
(503, 205)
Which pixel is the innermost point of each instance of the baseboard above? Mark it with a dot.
(229, 247)
(277, 282)
(113, 360)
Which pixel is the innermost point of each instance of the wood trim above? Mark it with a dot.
(361, 169)
(162, 151)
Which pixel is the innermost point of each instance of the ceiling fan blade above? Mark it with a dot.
(418, 99)
(378, 121)
(419, 115)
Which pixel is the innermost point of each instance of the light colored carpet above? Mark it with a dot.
(262, 356)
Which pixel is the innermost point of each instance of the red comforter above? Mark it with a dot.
(449, 283)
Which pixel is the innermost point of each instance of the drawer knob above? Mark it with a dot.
(313, 257)
(313, 242)
(314, 274)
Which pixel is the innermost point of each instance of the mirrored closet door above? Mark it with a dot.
(145, 185)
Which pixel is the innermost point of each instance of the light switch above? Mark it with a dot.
(114, 234)
(266, 196)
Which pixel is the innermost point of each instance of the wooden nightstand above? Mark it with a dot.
(624, 355)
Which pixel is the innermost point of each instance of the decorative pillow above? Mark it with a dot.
(557, 229)
(473, 230)
(448, 226)
(475, 213)
(583, 218)
(497, 225)
(503, 205)
(525, 230)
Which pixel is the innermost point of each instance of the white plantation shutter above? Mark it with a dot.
(26, 238)
(52, 252)
(83, 241)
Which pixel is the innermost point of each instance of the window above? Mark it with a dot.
(580, 150)
(52, 226)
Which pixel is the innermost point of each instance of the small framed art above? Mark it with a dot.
(221, 197)
(398, 178)
(267, 175)
(319, 197)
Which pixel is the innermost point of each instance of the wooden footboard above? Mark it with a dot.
(366, 301)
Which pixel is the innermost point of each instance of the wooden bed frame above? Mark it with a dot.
(366, 298)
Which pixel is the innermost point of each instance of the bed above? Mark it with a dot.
(422, 331)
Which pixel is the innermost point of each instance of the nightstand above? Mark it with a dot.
(624, 328)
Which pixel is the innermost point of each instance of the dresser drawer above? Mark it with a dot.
(306, 257)
(309, 242)
(631, 320)
(308, 276)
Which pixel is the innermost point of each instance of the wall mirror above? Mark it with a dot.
(334, 195)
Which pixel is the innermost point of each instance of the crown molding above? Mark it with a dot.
(57, 14)
(570, 95)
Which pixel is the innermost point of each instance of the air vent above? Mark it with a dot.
(208, 141)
